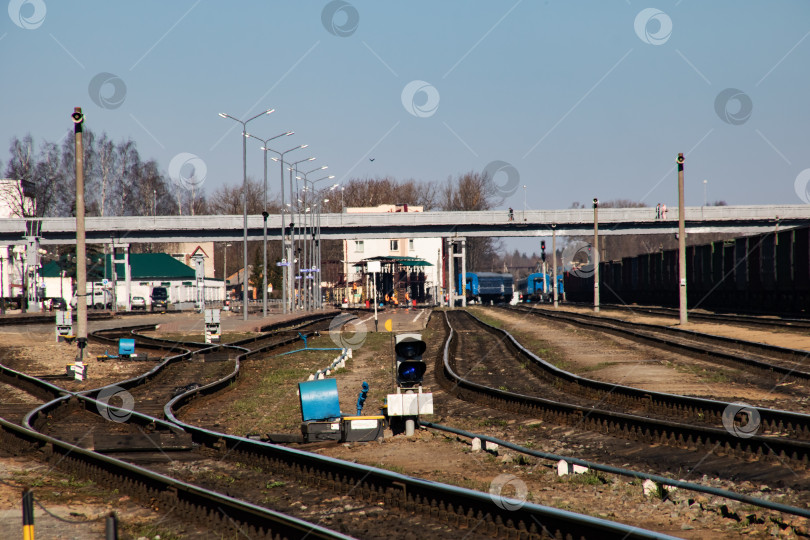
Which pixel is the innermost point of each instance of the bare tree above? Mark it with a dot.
(473, 191)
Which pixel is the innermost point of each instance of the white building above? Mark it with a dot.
(147, 270)
(427, 253)
(16, 200)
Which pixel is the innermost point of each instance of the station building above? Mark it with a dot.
(410, 266)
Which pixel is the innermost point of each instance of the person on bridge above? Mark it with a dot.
(511, 214)
(658, 211)
(663, 211)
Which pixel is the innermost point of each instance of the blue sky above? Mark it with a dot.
(580, 98)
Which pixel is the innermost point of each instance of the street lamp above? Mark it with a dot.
(244, 199)
(285, 273)
(294, 166)
(310, 240)
(309, 253)
(524, 202)
(225, 270)
(265, 215)
(318, 260)
(596, 255)
(705, 193)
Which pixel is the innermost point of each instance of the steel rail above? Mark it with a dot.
(774, 420)
(681, 484)
(478, 511)
(633, 426)
(737, 318)
(644, 331)
(215, 509)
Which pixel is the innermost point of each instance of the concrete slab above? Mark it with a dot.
(190, 323)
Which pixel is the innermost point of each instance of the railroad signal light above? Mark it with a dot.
(410, 366)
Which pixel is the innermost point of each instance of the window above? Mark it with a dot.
(394, 245)
(359, 246)
(410, 244)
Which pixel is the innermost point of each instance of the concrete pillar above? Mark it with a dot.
(463, 271)
(451, 281)
(127, 278)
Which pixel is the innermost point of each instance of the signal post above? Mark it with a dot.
(411, 400)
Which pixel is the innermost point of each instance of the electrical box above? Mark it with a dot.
(314, 431)
(213, 330)
(319, 400)
(410, 404)
(64, 325)
(126, 347)
(362, 428)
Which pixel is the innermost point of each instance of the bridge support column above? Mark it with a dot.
(451, 278)
(127, 275)
(30, 273)
(456, 288)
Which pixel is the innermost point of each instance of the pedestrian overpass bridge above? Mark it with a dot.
(740, 220)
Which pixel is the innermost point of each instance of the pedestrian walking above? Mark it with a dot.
(663, 211)
(511, 214)
(658, 211)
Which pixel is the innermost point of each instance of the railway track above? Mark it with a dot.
(411, 505)
(772, 322)
(779, 363)
(716, 425)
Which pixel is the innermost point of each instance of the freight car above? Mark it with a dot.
(486, 287)
(768, 273)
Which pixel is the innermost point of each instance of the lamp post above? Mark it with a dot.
(225, 269)
(318, 260)
(705, 193)
(244, 200)
(294, 166)
(309, 252)
(285, 272)
(681, 244)
(313, 262)
(265, 215)
(525, 206)
(596, 255)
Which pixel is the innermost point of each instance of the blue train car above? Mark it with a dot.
(487, 287)
(538, 287)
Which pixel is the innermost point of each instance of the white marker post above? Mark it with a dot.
(374, 267)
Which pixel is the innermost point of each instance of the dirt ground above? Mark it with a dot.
(792, 339)
(619, 360)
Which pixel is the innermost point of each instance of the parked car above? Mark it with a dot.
(160, 299)
(57, 304)
(138, 302)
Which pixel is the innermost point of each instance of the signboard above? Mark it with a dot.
(374, 267)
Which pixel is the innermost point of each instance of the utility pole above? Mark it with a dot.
(595, 255)
(681, 243)
(554, 261)
(81, 262)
